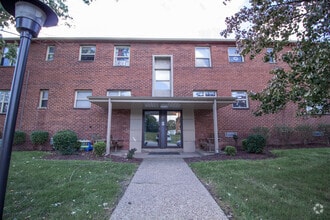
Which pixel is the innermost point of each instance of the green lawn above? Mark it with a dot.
(63, 189)
(295, 185)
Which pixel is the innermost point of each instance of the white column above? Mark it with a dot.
(107, 152)
(215, 126)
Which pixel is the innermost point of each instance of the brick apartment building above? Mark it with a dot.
(148, 93)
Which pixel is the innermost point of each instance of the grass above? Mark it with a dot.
(288, 187)
(63, 189)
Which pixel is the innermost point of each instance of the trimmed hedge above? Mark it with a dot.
(39, 137)
(255, 143)
(19, 137)
(66, 142)
(230, 150)
(99, 148)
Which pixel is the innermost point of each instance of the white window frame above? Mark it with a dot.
(234, 56)
(6, 61)
(43, 99)
(271, 58)
(82, 99)
(200, 93)
(201, 57)
(119, 93)
(89, 53)
(121, 60)
(4, 101)
(239, 100)
(50, 54)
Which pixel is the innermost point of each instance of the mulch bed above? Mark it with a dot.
(90, 156)
(240, 155)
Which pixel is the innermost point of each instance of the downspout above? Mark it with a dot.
(215, 127)
(107, 152)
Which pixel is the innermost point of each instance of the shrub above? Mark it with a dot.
(255, 143)
(230, 150)
(325, 128)
(99, 148)
(284, 133)
(66, 142)
(39, 137)
(19, 137)
(305, 133)
(0, 134)
(131, 153)
(263, 131)
(244, 144)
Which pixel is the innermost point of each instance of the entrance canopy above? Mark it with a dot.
(160, 103)
(131, 102)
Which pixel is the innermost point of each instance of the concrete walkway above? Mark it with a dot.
(166, 188)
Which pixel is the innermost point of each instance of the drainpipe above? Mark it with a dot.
(215, 126)
(107, 152)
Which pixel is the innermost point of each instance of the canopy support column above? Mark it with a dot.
(107, 152)
(215, 127)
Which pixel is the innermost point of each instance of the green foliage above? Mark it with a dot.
(306, 81)
(255, 143)
(305, 132)
(39, 137)
(99, 148)
(19, 137)
(0, 134)
(66, 142)
(325, 128)
(131, 153)
(230, 150)
(244, 144)
(284, 133)
(263, 131)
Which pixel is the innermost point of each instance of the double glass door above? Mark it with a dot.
(162, 129)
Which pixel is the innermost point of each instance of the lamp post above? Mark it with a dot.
(30, 16)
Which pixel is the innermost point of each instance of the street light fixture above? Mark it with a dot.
(30, 16)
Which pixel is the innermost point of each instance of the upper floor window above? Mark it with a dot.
(234, 55)
(269, 55)
(241, 99)
(119, 93)
(202, 57)
(204, 94)
(87, 53)
(9, 56)
(4, 100)
(43, 100)
(122, 56)
(50, 53)
(81, 100)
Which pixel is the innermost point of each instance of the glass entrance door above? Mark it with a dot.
(162, 129)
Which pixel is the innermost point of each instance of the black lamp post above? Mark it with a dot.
(30, 16)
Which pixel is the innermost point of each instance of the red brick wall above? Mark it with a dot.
(66, 73)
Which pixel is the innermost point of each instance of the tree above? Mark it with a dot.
(59, 6)
(303, 26)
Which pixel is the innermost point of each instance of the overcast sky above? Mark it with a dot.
(145, 18)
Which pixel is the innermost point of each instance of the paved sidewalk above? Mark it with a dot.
(166, 188)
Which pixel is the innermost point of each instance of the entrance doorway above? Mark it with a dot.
(162, 129)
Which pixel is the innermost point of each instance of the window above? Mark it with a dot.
(4, 100)
(204, 94)
(87, 53)
(119, 93)
(43, 101)
(202, 57)
(50, 53)
(241, 99)
(270, 56)
(8, 52)
(162, 76)
(81, 100)
(122, 56)
(234, 56)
